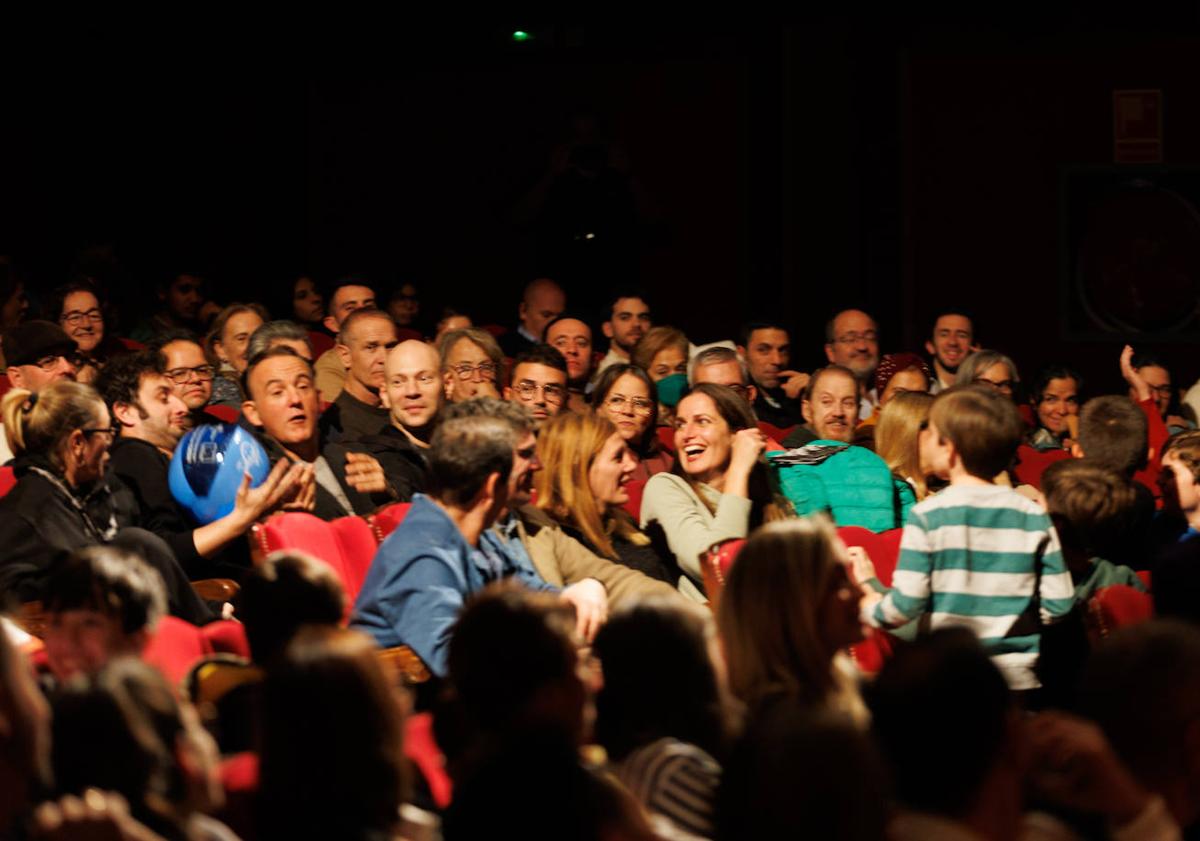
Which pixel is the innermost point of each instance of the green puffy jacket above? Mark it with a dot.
(851, 484)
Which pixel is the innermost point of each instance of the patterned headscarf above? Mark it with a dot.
(893, 363)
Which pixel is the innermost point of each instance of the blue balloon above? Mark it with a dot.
(207, 469)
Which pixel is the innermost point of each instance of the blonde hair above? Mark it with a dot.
(41, 422)
(656, 340)
(896, 436)
(567, 448)
(769, 618)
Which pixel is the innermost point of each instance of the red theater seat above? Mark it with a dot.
(346, 544)
(321, 342)
(635, 489)
(883, 548)
(225, 414)
(775, 433)
(384, 521)
(666, 437)
(1118, 606)
(174, 647)
(1031, 464)
(8, 479)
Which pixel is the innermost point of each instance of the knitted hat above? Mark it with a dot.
(893, 363)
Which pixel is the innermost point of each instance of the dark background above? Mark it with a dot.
(889, 163)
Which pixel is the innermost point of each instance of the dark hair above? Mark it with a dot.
(475, 439)
(604, 383)
(288, 590)
(1052, 372)
(747, 330)
(658, 680)
(565, 316)
(278, 350)
(54, 305)
(508, 644)
(940, 712)
(820, 373)
(121, 379)
(119, 730)
(621, 293)
(111, 581)
(736, 412)
(175, 334)
(539, 354)
(1145, 360)
(273, 331)
(983, 425)
(332, 740)
(1113, 432)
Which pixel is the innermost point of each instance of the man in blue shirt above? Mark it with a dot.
(435, 559)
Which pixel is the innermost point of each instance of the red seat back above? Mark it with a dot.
(883, 548)
(1032, 463)
(227, 637)
(321, 342)
(7, 477)
(635, 488)
(130, 344)
(1118, 606)
(775, 433)
(495, 329)
(174, 647)
(225, 414)
(406, 334)
(346, 544)
(384, 521)
(666, 437)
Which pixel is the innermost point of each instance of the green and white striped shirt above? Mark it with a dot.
(986, 558)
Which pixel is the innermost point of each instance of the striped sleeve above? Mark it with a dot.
(1056, 590)
(909, 595)
(675, 780)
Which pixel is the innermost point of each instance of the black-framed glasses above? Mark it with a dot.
(111, 431)
(77, 318)
(466, 371)
(179, 376)
(50, 362)
(618, 402)
(552, 392)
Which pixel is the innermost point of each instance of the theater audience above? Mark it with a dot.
(189, 372)
(625, 395)
(227, 340)
(288, 590)
(539, 382)
(766, 349)
(365, 337)
(182, 299)
(348, 295)
(830, 406)
(951, 341)
(1054, 398)
(541, 302)
(900, 373)
(663, 354)
(709, 496)
(586, 466)
(77, 308)
(898, 438)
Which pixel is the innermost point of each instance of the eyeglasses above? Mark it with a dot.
(999, 385)
(76, 317)
(110, 431)
(486, 370)
(1164, 390)
(855, 338)
(618, 402)
(179, 376)
(552, 393)
(49, 363)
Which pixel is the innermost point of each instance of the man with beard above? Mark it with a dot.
(852, 341)
(767, 349)
(189, 372)
(628, 319)
(951, 342)
(151, 419)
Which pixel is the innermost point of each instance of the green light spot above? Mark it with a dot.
(521, 35)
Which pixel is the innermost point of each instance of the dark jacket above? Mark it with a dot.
(350, 419)
(328, 507)
(773, 406)
(403, 462)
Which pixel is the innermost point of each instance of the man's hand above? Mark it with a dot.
(794, 382)
(364, 473)
(303, 496)
(1074, 765)
(284, 480)
(1139, 385)
(591, 606)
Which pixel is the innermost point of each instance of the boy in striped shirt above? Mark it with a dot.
(977, 554)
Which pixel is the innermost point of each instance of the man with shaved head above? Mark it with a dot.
(363, 344)
(413, 395)
(541, 303)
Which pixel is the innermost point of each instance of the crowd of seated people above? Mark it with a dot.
(652, 589)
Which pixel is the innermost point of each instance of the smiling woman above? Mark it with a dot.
(626, 395)
(77, 308)
(712, 493)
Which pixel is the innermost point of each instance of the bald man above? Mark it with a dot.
(542, 302)
(413, 395)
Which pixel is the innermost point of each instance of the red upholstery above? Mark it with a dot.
(130, 344)
(320, 342)
(174, 648)
(1144, 574)
(776, 433)
(635, 489)
(1117, 606)
(495, 329)
(227, 637)
(883, 548)
(385, 520)
(406, 334)
(225, 414)
(346, 544)
(666, 437)
(1031, 463)
(7, 480)
(239, 773)
(423, 750)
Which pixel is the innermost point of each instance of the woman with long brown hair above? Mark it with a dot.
(586, 465)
